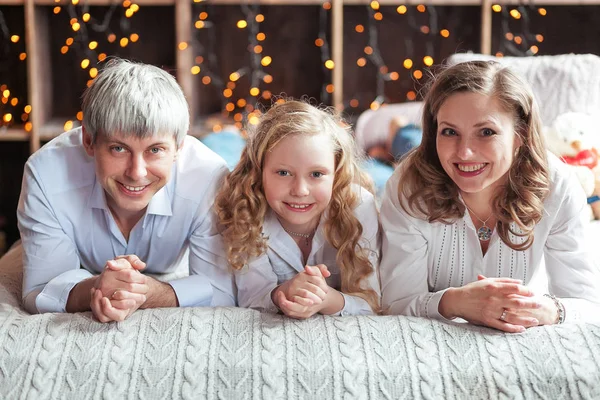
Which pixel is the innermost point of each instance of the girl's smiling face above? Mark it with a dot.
(298, 176)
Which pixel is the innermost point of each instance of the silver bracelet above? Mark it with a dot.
(559, 308)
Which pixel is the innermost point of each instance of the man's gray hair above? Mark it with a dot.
(135, 99)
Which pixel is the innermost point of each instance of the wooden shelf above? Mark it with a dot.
(105, 2)
(53, 128)
(396, 3)
(13, 135)
(41, 71)
(549, 2)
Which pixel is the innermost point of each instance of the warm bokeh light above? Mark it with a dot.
(68, 125)
(445, 33)
(428, 60)
(359, 28)
(408, 63)
(401, 10)
(329, 64)
(14, 38)
(85, 63)
(195, 70)
(242, 24)
(361, 62)
(182, 45)
(497, 7)
(266, 61)
(92, 45)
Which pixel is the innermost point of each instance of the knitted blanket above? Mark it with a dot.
(228, 353)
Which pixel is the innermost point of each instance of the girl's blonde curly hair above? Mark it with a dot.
(241, 205)
(429, 190)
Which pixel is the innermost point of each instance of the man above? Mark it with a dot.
(128, 192)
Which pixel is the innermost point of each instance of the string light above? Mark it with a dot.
(523, 43)
(12, 109)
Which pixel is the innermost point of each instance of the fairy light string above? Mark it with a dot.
(13, 108)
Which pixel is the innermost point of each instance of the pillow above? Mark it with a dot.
(373, 127)
(562, 83)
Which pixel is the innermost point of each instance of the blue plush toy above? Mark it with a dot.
(228, 144)
(406, 138)
(379, 165)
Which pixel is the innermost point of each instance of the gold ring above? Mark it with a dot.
(503, 316)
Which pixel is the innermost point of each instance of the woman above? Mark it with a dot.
(471, 214)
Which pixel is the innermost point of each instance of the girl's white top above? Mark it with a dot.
(420, 260)
(283, 260)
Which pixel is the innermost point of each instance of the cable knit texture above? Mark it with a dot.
(227, 353)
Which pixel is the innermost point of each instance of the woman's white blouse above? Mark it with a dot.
(283, 260)
(420, 260)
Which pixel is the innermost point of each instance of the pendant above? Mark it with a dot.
(484, 233)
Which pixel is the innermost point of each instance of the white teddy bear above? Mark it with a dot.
(573, 138)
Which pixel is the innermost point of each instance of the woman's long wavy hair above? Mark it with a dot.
(241, 205)
(429, 190)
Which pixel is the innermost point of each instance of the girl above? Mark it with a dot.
(299, 225)
(469, 216)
